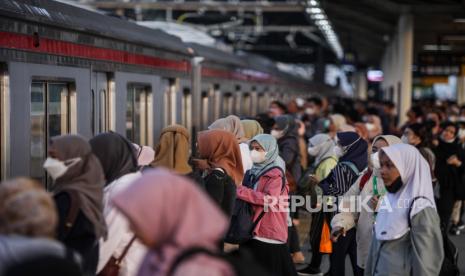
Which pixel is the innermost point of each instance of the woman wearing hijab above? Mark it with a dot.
(251, 128)
(321, 148)
(78, 192)
(233, 125)
(407, 237)
(118, 158)
(449, 170)
(172, 152)
(352, 151)
(221, 161)
(27, 229)
(170, 215)
(266, 178)
(285, 131)
(369, 185)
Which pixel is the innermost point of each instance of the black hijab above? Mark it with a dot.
(357, 151)
(116, 154)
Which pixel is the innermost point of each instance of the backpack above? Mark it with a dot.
(242, 225)
(449, 265)
(241, 261)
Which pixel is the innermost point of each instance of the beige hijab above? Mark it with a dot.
(251, 128)
(172, 151)
(231, 124)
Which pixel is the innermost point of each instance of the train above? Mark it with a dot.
(64, 69)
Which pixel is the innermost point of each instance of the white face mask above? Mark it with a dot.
(313, 151)
(375, 161)
(277, 133)
(309, 111)
(370, 126)
(404, 139)
(57, 168)
(258, 156)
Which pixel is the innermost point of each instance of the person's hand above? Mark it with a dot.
(374, 201)
(296, 222)
(336, 232)
(453, 160)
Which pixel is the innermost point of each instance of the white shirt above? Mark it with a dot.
(245, 155)
(119, 233)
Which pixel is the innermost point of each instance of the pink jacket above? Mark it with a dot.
(273, 225)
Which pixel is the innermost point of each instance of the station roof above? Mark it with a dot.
(283, 31)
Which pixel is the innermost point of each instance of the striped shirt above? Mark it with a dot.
(339, 180)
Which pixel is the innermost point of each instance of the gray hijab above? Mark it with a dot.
(325, 147)
(270, 145)
(86, 178)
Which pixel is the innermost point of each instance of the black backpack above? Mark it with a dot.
(241, 261)
(242, 224)
(449, 266)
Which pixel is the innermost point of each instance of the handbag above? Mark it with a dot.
(113, 265)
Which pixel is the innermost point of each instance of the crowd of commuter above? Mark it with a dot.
(384, 194)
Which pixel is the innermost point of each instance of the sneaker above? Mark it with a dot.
(309, 271)
(461, 226)
(454, 230)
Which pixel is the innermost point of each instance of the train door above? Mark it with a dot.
(207, 105)
(4, 123)
(169, 100)
(139, 113)
(237, 110)
(228, 104)
(186, 106)
(102, 96)
(218, 101)
(53, 113)
(246, 104)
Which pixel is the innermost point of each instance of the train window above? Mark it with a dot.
(53, 113)
(138, 115)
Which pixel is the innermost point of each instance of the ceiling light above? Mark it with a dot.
(315, 10)
(318, 16)
(459, 20)
(312, 3)
(322, 22)
(433, 47)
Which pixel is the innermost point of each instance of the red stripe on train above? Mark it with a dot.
(58, 47)
(64, 48)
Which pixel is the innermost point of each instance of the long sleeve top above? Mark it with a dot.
(273, 224)
(119, 232)
(419, 252)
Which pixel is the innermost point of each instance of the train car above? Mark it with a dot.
(70, 70)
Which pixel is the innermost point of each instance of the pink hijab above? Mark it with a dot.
(170, 214)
